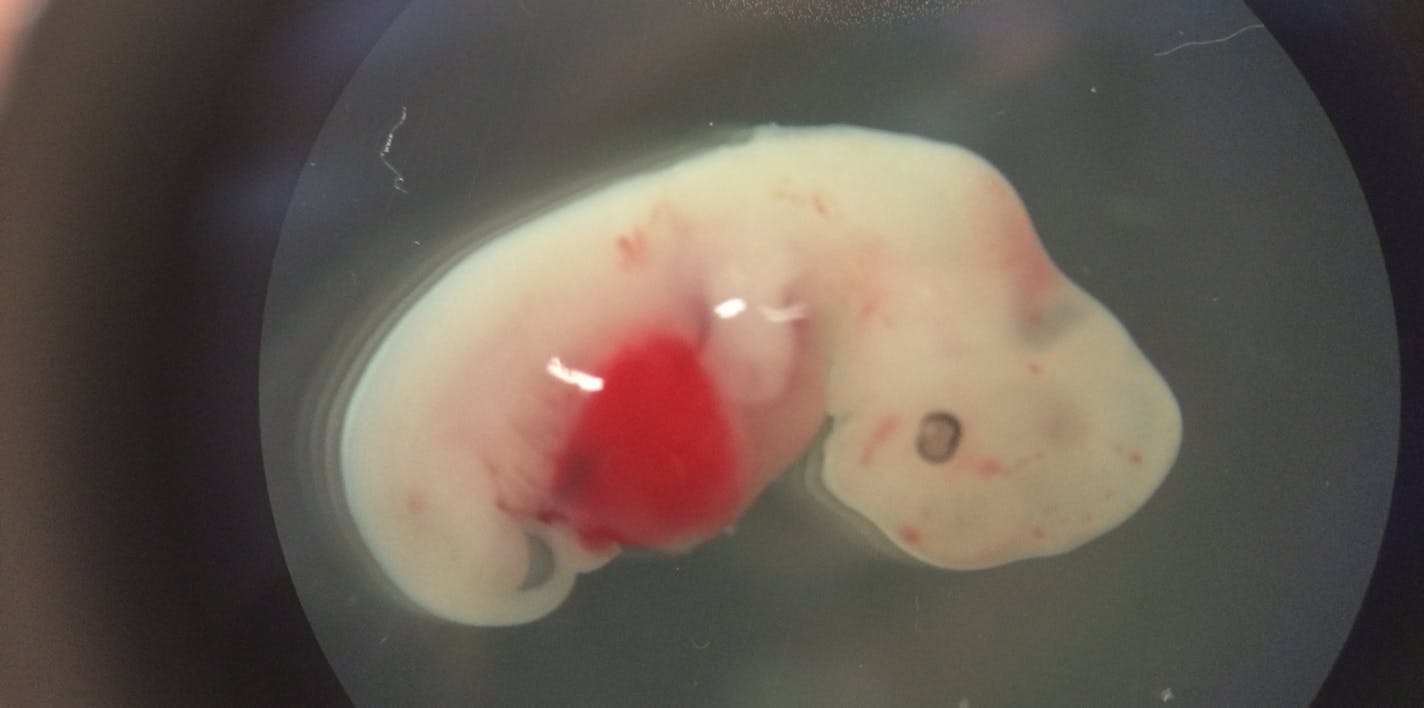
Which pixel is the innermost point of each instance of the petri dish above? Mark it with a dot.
(1176, 167)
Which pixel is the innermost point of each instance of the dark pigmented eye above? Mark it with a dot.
(938, 437)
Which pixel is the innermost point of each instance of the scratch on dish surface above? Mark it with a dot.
(385, 154)
(1208, 42)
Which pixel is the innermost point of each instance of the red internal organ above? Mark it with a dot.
(652, 459)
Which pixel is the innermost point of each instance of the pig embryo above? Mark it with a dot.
(634, 367)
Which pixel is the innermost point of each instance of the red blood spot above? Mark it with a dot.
(415, 503)
(596, 544)
(651, 459)
(1037, 275)
(632, 248)
(1035, 368)
(1135, 458)
(1023, 259)
(869, 306)
(813, 200)
(1037, 532)
(910, 535)
(988, 467)
(878, 437)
